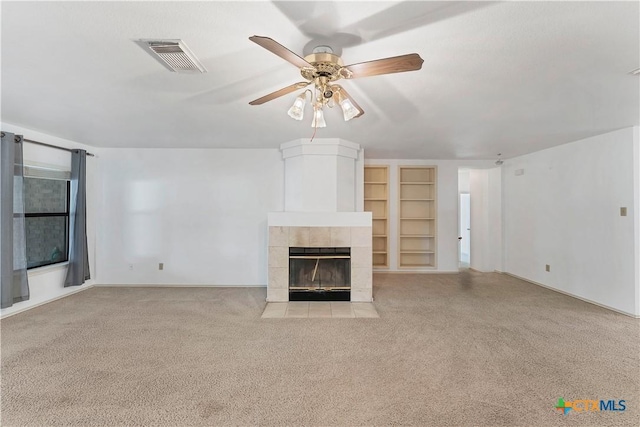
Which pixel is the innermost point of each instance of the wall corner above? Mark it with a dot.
(636, 213)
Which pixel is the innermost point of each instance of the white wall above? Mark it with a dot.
(46, 283)
(479, 191)
(636, 210)
(464, 185)
(486, 219)
(565, 211)
(496, 254)
(203, 213)
(359, 194)
(447, 206)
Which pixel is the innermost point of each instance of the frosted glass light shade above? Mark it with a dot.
(348, 109)
(318, 119)
(297, 109)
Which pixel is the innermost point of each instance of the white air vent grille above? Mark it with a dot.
(175, 55)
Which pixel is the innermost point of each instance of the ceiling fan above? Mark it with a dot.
(323, 69)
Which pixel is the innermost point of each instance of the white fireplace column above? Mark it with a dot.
(320, 176)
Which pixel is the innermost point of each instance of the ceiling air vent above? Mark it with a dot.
(175, 55)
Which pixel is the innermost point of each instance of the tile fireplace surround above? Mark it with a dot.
(358, 238)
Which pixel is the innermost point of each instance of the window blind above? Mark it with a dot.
(46, 173)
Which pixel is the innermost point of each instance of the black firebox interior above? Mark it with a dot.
(319, 274)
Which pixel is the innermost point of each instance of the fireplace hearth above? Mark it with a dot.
(319, 274)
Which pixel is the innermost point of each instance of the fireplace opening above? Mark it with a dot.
(319, 274)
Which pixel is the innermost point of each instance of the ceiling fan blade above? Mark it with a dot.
(345, 94)
(408, 15)
(396, 64)
(284, 53)
(279, 93)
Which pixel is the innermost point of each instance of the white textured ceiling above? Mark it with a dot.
(511, 77)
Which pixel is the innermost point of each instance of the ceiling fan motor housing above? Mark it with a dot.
(325, 65)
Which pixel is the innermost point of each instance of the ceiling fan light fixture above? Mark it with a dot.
(348, 109)
(318, 118)
(297, 109)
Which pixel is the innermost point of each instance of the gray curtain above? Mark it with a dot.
(78, 270)
(14, 285)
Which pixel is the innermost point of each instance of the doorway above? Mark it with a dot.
(464, 218)
(464, 232)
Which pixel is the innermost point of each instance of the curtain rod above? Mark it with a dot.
(50, 146)
(53, 146)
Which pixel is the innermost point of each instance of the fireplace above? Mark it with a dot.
(319, 274)
(352, 237)
(320, 246)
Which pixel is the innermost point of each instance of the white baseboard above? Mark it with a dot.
(171, 285)
(635, 316)
(22, 310)
(417, 271)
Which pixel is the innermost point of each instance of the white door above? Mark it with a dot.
(465, 229)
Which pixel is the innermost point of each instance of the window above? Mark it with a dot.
(46, 203)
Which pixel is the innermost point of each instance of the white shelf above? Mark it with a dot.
(418, 183)
(417, 266)
(417, 219)
(376, 198)
(417, 216)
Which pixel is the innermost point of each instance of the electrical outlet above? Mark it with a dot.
(623, 211)
(547, 267)
(161, 266)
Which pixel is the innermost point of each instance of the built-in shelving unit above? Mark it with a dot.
(417, 216)
(376, 201)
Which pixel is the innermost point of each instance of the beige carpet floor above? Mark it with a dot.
(448, 350)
